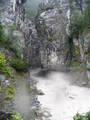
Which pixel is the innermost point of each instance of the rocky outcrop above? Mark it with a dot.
(7, 14)
(23, 25)
(51, 25)
(15, 39)
(46, 42)
(31, 51)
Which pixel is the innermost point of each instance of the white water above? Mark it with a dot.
(62, 99)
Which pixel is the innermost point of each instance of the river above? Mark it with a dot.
(61, 99)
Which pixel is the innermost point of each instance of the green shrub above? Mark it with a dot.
(10, 92)
(3, 66)
(17, 117)
(75, 64)
(2, 35)
(78, 117)
(77, 24)
(88, 47)
(87, 16)
(82, 117)
(19, 65)
(87, 116)
(88, 65)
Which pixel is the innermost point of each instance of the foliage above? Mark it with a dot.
(19, 64)
(75, 50)
(78, 117)
(88, 47)
(17, 117)
(77, 24)
(88, 65)
(87, 116)
(82, 117)
(2, 36)
(87, 17)
(12, 44)
(10, 92)
(3, 65)
(80, 22)
(75, 64)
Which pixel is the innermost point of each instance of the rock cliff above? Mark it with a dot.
(30, 35)
(46, 42)
(51, 25)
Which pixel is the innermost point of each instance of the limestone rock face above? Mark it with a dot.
(35, 59)
(31, 51)
(7, 14)
(51, 25)
(15, 37)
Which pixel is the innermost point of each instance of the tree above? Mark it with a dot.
(87, 17)
(76, 24)
(77, 29)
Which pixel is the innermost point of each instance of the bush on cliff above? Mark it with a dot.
(10, 92)
(2, 36)
(17, 117)
(3, 65)
(82, 117)
(19, 65)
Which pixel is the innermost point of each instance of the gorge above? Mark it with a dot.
(44, 59)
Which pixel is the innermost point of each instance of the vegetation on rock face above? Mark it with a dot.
(17, 117)
(12, 45)
(77, 24)
(88, 65)
(19, 64)
(10, 92)
(87, 17)
(75, 64)
(82, 117)
(3, 65)
(2, 36)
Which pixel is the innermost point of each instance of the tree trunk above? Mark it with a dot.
(83, 59)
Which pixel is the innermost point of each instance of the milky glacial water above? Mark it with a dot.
(62, 99)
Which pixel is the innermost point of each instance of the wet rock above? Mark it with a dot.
(36, 102)
(40, 92)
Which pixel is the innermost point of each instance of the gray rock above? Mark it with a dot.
(51, 24)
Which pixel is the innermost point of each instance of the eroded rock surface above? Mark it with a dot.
(51, 25)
